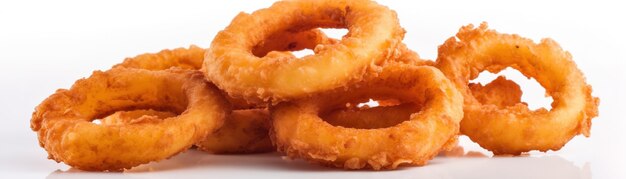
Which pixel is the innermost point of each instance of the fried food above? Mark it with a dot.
(492, 120)
(404, 55)
(292, 41)
(185, 58)
(371, 118)
(244, 131)
(374, 33)
(499, 92)
(64, 125)
(299, 131)
(191, 58)
(136, 117)
(389, 113)
(155, 105)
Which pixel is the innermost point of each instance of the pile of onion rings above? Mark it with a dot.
(248, 93)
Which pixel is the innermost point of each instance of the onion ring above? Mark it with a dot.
(182, 58)
(185, 58)
(404, 55)
(374, 33)
(299, 132)
(136, 117)
(505, 129)
(244, 131)
(63, 120)
(388, 114)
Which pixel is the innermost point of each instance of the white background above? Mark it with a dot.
(46, 45)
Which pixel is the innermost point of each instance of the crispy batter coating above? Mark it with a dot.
(244, 131)
(180, 58)
(299, 132)
(156, 105)
(404, 55)
(136, 117)
(390, 113)
(64, 127)
(374, 33)
(512, 129)
(499, 92)
(185, 58)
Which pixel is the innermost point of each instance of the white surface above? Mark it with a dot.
(45, 45)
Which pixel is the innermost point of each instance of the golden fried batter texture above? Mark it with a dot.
(63, 120)
(374, 33)
(299, 131)
(496, 119)
(248, 93)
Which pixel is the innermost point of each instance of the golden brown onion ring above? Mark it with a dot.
(380, 117)
(185, 58)
(404, 55)
(374, 33)
(506, 129)
(63, 120)
(244, 131)
(299, 132)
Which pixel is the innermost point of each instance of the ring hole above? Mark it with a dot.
(303, 52)
(532, 93)
(298, 44)
(335, 33)
(369, 104)
(373, 114)
(124, 117)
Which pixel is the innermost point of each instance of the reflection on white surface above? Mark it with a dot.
(197, 164)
